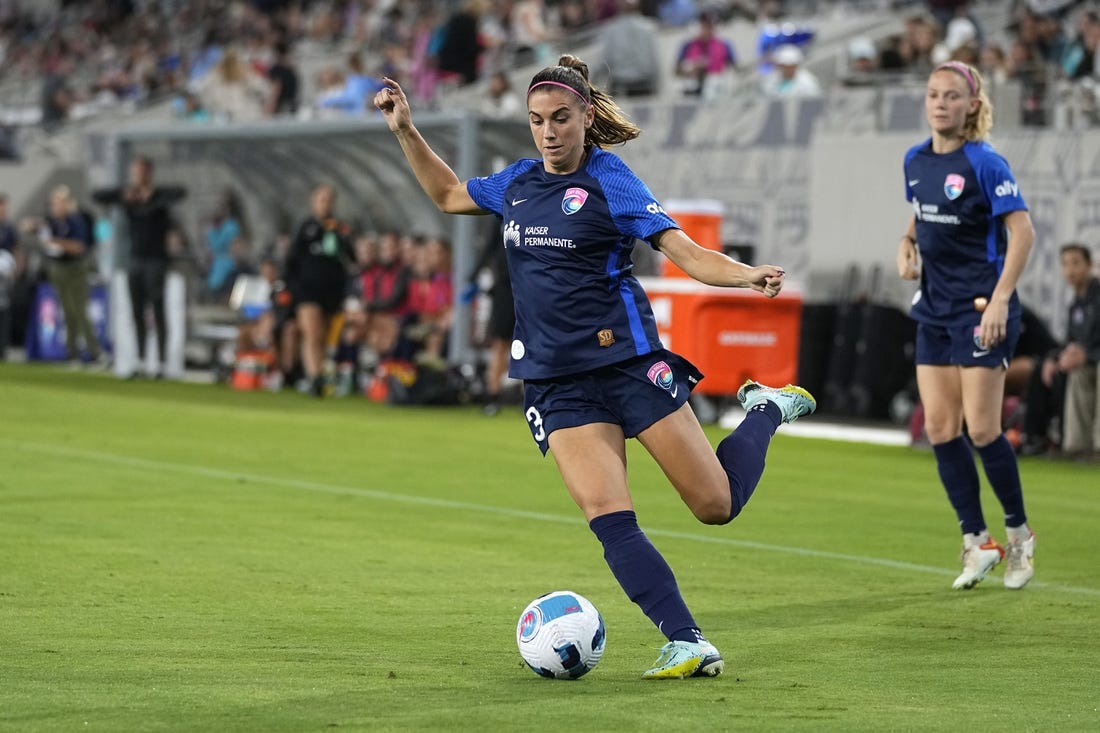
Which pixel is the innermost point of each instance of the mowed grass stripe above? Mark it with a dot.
(379, 495)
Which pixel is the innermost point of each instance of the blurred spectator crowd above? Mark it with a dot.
(243, 60)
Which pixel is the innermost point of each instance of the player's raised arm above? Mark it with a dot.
(432, 172)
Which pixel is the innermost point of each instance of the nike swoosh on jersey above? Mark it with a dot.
(675, 390)
(979, 354)
(517, 202)
(914, 182)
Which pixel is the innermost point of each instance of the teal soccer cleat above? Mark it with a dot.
(680, 659)
(793, 401)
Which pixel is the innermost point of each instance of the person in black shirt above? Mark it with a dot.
(316, 273)
(148, 214)
(283, 99)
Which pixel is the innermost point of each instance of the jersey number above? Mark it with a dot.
(535, 419)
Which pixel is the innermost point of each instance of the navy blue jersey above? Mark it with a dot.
(959, 199)
(568, 239)
(71, 226)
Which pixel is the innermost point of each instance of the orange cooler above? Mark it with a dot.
(730, 334)
(701, 219)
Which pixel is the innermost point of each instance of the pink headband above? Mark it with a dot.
(557, 84)
(960, 68)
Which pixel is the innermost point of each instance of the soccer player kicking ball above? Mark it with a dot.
(585, 342)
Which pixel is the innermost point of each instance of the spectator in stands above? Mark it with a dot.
(11, 259)
(994, 64)
(461, 44)
(917, 44)
(706, 60)
(283, 84)
(65, 238)
(1079, 59)
(148, 213)
(226, 225)
(772, 33)
(862, 57)
(329, 92)
(788, 79)
(575, 15)
(1030, 71)
(677, 12)
(232, 90)
(58, 96)
(256, 332)
(629, 46)
(388, 302)
(359, 86)
(424, 39)
(360, 291)
(433, 303)
(501, 101)
(531, 34)
(1078, 359)
(315, 273)
(187, 106)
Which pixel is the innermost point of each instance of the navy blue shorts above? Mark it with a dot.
(633, 394)
(958, 345)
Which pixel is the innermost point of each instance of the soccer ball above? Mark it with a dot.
(561, 635)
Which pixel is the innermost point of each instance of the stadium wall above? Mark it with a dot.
(805, 192)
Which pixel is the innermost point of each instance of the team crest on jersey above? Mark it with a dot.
(953, 185)
(606, 337)
(573, 201)
(661, 375)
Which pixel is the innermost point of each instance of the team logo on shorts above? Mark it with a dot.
(661, 375)
(953, 185)
(574, 200)
(606, 337)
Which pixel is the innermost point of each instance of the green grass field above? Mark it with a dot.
(184, 557)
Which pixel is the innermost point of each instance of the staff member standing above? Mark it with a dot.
(316, 273)
(65, 240)
(148, 214)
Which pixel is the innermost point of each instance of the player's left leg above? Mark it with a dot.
(716, 484)
(982, 396)
(592, 461)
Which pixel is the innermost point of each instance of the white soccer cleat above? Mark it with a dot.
(793, 401)
(977, 561)
(1019, 568)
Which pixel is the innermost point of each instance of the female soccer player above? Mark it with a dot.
(968, 241)
(586, 342)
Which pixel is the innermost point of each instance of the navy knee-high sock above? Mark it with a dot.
(644, 575)
(999, 461)
(959, 475)
(742, 452)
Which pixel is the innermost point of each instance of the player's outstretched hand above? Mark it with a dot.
(767, 279)
(391, 101)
